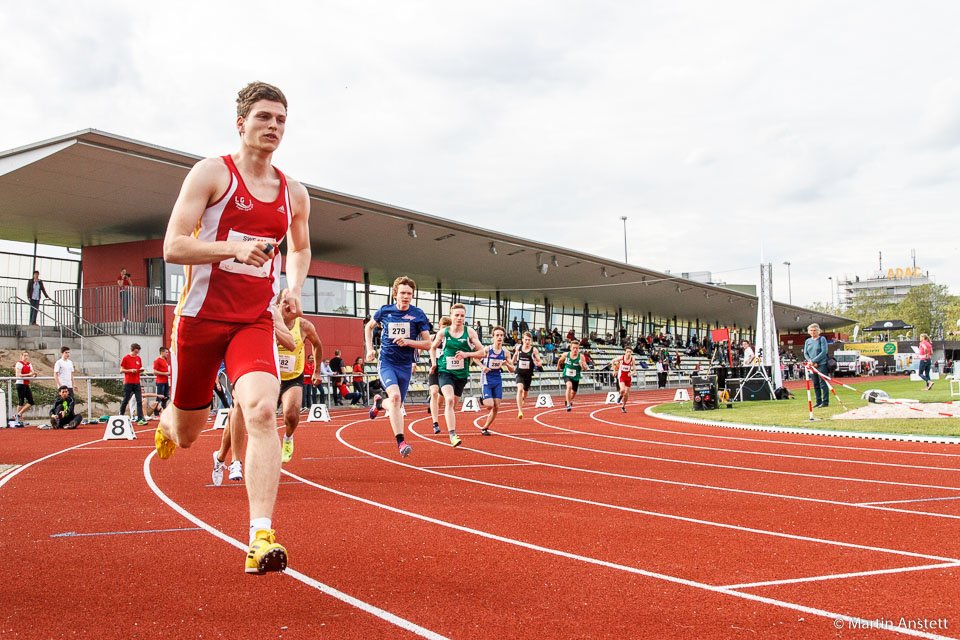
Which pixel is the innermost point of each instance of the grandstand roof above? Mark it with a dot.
(93, 188)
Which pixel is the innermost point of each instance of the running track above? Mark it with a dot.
(589, 524)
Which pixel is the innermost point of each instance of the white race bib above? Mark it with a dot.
(397, 330)
(626, 368)
(523, 364)
(453, 364)
(286, 362)
(495, 364)
(232, 265)
(569, 372)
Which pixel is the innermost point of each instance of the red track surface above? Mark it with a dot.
(589, 524)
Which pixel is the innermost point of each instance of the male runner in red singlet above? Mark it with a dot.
(624, 367)
(227, 223)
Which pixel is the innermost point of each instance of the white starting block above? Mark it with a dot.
(544, 400)
(220, 422)
(681, 395)
(612, 398)
(471, 404)
(119, 428)
(318, 413)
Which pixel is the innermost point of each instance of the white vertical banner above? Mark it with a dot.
(767, 343)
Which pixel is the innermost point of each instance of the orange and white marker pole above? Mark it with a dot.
(806, 370)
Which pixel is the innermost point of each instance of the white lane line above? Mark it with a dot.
(656, 514)
(679, 483)
(473, 466)
(725, 466)
(6, 478)
(603, 563)
(593, 416)
(323, 588)
(867, 435)
(838, 576)
(913, 500)
(708, 423)
(767, 494)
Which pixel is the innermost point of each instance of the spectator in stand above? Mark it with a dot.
(161, 367)
(661, 374)
(23, 371)
(515, 326)
(479, 329)
(376, 336)
(132, 367)
(524, 327)
(34, 289)
(63, 414)
(571, 335)
(548, 349)
(748, 355)
(124, 282)
(63, 370)
(623, 337)
(926, 357)
(336, 368)
(555, 336)
(326, 375)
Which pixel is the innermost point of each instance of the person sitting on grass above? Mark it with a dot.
(63, 414)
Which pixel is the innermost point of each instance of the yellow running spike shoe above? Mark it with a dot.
(520, 415)
(455, 440)
(287, 451)
(165, 446)
(265, 554)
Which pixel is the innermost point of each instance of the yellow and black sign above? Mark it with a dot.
(873, 348)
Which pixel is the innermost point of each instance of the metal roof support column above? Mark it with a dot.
(439, 312)
(366, 292)
(586, 321)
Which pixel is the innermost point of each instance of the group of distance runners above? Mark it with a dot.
(226, 228)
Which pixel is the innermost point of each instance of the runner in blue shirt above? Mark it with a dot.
(405, 330)
(494, 359)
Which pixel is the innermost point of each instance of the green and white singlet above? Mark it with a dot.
(452, 346)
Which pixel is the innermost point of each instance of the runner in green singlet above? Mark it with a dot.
(460, 343)
(572, 365)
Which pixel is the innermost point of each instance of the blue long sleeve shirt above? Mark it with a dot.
(815, 350)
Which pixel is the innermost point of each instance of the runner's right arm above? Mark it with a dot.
(207, 180)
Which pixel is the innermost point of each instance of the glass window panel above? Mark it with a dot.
(308, 297)
(335, 297)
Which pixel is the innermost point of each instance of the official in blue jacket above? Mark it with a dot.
(815, 352)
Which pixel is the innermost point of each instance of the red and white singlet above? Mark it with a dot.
(626, 371)
(230, 291)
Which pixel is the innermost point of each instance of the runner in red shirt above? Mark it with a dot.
(131, 367)
(230, 217)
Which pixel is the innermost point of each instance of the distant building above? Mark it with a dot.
(894, 283)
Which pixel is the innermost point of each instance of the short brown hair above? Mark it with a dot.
(458, 305)
(250, 94)
(445, 321)
(403, 280)
(525, 334)
(498, 328)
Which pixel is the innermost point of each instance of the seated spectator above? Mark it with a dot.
(353, 396)
(63, 413)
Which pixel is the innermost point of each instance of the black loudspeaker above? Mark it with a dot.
(704, 392)
(757, 390)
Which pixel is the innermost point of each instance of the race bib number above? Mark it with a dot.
(453, 364)
(286, 363)
(232, 265)
(626, 368)
(523, 364)
(398, 330)
(495, 364)
(569, 372)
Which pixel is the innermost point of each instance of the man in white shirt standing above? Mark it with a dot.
(748, 354)
(63, 370)
(325, 372)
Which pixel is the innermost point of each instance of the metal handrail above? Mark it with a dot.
(61, 327)
(81, 321)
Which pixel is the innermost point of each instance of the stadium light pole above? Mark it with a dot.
(624, 218)
(789, 286)
(830, 278)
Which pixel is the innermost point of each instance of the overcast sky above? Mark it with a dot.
(821, 133)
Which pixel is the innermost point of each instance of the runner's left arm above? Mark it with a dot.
(508, 363)
(298, 245)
